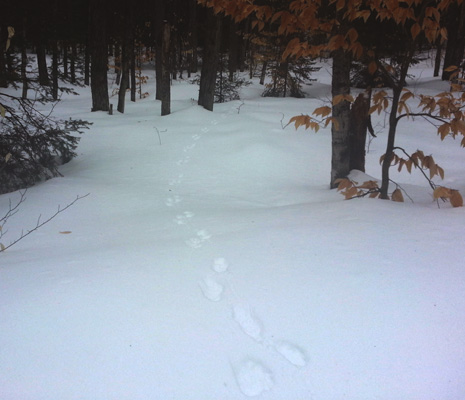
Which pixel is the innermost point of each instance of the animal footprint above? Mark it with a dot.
(249, 324)
(253, 378)
(171, 201)
(187, 148)
(214, 122)
(204, 130)
(197, 242)
(182, 218)
(183, 161)
(203, 235)
(220, 265)
(292, 353)
(211, 289)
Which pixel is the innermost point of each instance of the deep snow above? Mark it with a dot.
(210, 261)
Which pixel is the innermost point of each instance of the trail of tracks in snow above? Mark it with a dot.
(253, 377)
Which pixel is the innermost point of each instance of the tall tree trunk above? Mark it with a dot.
(3, 72)
(242, 45)
(263, 73)
(340, 162)
(455, 38)
(209, 61)
(233, 49)
(99, 56)
(437, 58)
(397, 91)
(42, 64)
(393, 120)
(24, 60)
(193, 65)
(54, 69)
(118, 63)
(124, 75)
(133, 70)
(42, 39)
(73, 62)
(87, 52)
(359, 122)
(159, 16)
(65, 60)
(165, 91)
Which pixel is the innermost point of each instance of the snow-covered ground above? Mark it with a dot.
(211, 262)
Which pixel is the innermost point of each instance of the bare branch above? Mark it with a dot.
(38, 224)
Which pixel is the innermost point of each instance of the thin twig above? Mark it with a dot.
(40, 224)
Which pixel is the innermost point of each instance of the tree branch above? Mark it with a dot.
(38, 224)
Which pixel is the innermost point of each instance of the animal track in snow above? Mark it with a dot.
(253, 378)
(248, 322)
(203, 235)
(184, 217)
(187, 148)
(196, 242)
(291, 353)
(171, 201)
(205, 130)
(214, 122)
(211, 289)
(183, 161)
(220, 265)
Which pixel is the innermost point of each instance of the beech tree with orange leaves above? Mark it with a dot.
(418, 21)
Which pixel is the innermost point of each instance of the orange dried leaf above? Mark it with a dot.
(397, 196)
(372, 67)
(343, 183)
(415, 30)
(323, 111)
(456, 198)
(351, 192)
(441, 192)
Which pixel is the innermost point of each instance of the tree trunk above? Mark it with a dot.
(340, 162)
(437, 58)
(209, 61)
(233, 49)
(242, 45)
(99, 56)
(165, 91)
(73, 62)
(42, 65)
(159, 13)
(65, 60)
(24, 61)
(263, 73)
(133, 69)
(193, 65)
(54, 69)
(397, 91)
(455, 38)
(124, 84)
(118, 64)
(87, 51)
(359, 121)
(3, 72)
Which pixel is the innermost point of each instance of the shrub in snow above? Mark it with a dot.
(33, 144)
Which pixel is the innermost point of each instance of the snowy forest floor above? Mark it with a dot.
(211, 261)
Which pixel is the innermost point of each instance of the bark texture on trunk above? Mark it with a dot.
(455, 22)
(340, 129)
(99, 56)
(165, 91)
(359, 122)
(209, 62)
